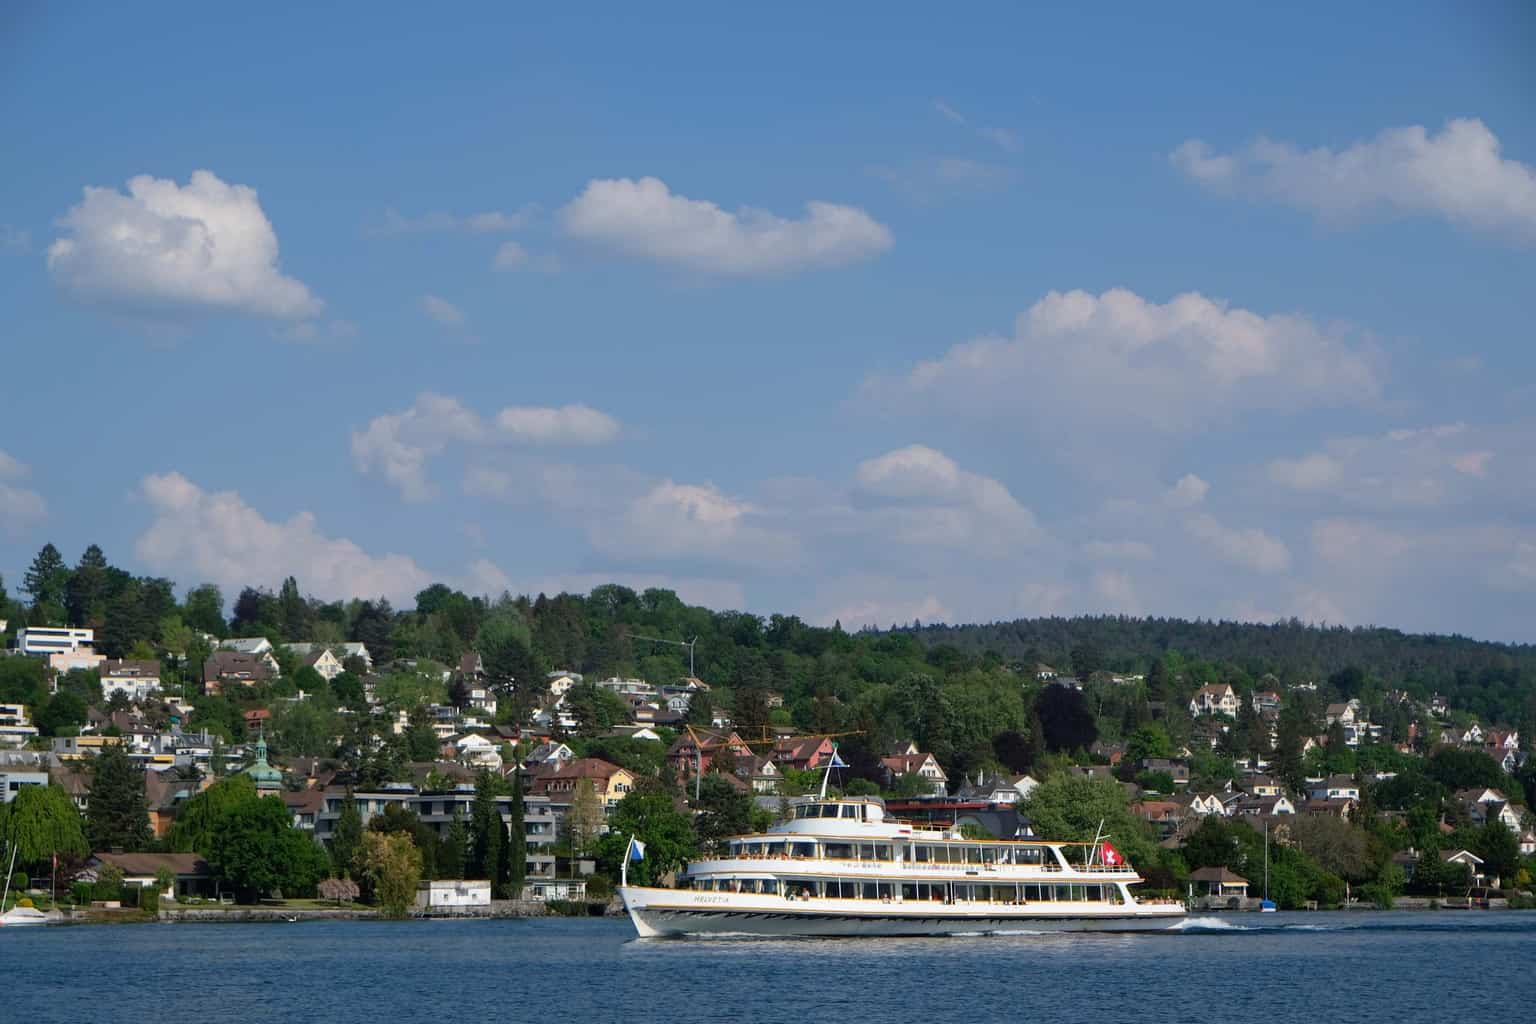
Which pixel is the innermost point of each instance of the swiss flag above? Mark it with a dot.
(1111, 856)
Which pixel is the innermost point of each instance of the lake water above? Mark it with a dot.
(1278, 969)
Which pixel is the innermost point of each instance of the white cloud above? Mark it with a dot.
(1089, 363)
(217, 537)
(397, 446)
(1418, 467)
(645, 220)
(441, 310)
(1458, 174)
(930, 179)
(12, 468)
(1118, 550)
(308, 332)
(485, 223)
(882, 612)
(1188, 492)
(20, 508)
(691, 522)
(1307, 473)
(205, 246)
(998, 136)
(928, 499)
(1251, 548)
(511, 256)
(567, 424)
(1117, 592)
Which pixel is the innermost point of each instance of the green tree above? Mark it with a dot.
(1073, 807)
(23, 680)
(347, 836)
(86, 591)
(294, 611)
(47, 579)
(1064, 715)
(42, 821)
(204, 610)
(1499, 848)
(392, 864)
(517, 841)
(62, 715)
(255, 848)
(486, 832)
(116, 815)
(193, 829)
(584, 821)
(649, 815)
(722, 810)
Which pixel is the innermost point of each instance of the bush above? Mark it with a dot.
(20, 881)
(149, 901)
(599, 887)
(82, 893)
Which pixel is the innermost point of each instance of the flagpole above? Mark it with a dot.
(624, 867)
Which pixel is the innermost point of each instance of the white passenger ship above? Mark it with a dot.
(841, 867)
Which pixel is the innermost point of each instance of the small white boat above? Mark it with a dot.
(22, 917)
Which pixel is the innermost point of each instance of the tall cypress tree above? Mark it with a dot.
(116, 815)
(347, 836)
(485, 830)
(517, 841)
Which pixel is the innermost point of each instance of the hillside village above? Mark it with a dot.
(448, 729)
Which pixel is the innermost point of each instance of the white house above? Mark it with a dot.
(548, 753)
(353, 649)
(1344, 714)
(1215, 699)
(1472, 735)
(318, 657)
(452, 894)
(1335, 787)
(1206, 804)
(136, 680)
(477, 751)
(560, 683)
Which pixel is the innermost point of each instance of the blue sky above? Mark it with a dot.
(870, 314)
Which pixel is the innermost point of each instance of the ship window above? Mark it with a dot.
(882, 852)
(807, 850)
(838, 851)
(768, 885)
(871, 891)
(972, 854)
(850, 811)
(829, 810)
(921, 854)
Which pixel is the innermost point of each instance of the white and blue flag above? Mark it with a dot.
(836, 762)
(636, 849)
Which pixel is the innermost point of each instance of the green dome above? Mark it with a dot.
(263, 773)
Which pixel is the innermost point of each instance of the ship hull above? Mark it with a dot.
(662, 913)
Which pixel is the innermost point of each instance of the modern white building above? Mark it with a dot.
(12, 780)
(15, 729)
(42, 641)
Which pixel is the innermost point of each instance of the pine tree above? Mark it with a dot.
(47, 578)
(116, 815)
